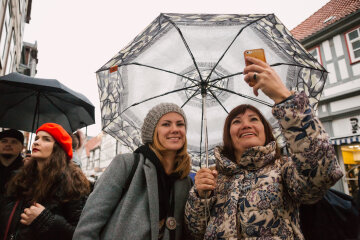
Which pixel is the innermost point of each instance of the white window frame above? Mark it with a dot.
(318, 55)
(349, 45)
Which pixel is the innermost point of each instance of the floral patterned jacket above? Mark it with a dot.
(259, 198)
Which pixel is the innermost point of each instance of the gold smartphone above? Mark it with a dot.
(255, 53)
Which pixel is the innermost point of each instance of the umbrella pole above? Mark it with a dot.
(205, 130)
(33, 124)
(203, 95)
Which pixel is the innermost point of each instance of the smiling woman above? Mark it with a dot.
(152, 207)
(255, 192)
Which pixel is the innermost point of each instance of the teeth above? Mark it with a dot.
(246, 134)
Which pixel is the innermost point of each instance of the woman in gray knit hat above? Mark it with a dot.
(142, 195)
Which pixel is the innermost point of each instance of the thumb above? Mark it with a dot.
(214, 173)
(38, 205)
(255, 90)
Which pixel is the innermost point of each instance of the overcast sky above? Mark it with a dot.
(76, 37)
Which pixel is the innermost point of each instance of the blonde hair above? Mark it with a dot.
(182, 158)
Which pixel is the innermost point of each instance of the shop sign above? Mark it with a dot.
(349, 126)
(354, 121)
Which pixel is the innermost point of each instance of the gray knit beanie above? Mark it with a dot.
(154, 115)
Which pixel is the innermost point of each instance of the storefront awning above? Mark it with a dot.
(345, 140)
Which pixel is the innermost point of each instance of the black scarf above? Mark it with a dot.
(165, 182)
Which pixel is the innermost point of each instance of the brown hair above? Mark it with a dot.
(57, 173)
(182, 158)
(228, 149)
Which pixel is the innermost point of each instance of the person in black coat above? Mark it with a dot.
(45, 198)
(11, 145)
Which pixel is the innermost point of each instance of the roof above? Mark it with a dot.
(332, 12)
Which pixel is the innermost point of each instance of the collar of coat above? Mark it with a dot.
(253, 158)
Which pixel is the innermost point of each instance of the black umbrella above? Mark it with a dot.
(27, 102)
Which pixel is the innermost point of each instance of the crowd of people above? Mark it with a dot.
(254, 192)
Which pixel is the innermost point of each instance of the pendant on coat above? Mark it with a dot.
(171, 223)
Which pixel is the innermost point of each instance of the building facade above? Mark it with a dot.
(14, 14)
(98, 153)
(332, 36)
(15, 55)
(29, 60)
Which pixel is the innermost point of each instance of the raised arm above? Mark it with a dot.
(312, 167)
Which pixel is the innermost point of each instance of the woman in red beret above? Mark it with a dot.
(45, 199)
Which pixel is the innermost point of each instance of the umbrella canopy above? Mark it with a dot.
(196, 61)
(27, 102)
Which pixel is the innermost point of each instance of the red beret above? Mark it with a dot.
(60, 135)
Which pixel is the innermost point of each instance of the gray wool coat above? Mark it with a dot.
(136, 215)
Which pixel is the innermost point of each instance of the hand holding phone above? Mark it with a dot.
(255, 53)
(270, 83)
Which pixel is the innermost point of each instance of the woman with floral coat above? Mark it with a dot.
(254, 193)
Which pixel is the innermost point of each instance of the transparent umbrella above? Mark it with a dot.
(196, 61)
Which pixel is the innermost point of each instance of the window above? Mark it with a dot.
(97, 158)
(91, 160)
(353, 45)
(11, 59)
(13, 64)
(315, 52)
(4, 33)
(8, 65)
(20, 6)
(88, 163)
(3, 40)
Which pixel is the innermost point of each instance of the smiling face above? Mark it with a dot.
(43, 145)
(171, 131)
(246, 131)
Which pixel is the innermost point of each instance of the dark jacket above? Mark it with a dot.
(7, 172)
(57, 221)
